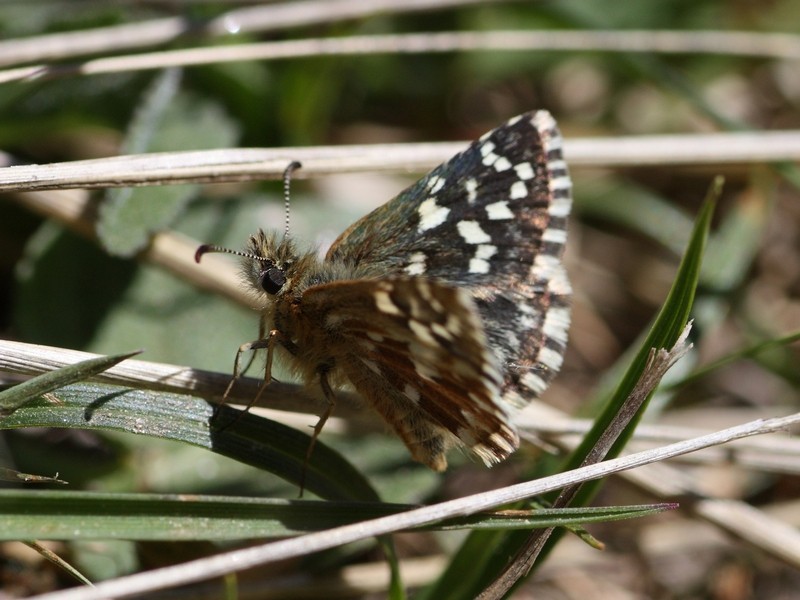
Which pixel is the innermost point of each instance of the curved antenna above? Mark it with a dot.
(287, 179)
(206, 248)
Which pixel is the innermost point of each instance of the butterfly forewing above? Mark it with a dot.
(492, 220)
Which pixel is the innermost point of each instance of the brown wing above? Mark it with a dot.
(417, 352)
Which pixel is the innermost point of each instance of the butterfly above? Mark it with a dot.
(446, 309)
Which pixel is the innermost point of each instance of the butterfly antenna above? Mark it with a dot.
(287, 180)
(208, 248)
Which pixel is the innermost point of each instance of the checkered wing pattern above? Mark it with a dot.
(492, 220)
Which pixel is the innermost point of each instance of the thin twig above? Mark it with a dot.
(243, 164)
(770, 454)
(275, 17)
(771, 45)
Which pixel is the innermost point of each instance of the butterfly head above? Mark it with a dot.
(270, 260)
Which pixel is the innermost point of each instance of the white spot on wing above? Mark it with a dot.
(561, 183)
(550, 358)
(502, 164)
(490, 158)
(480, 262)
(478, 265)
(560, 207)
(431, 214)
(529, 318)
(472, 233)
(556, 323)
(441, 331)
(412, 393)
(416, 264)
(385, 304)
(499, 210)
(534, 382)
(518, 190)
(557, 236)
(524, 171)
(545, 267)
(471, 185)
(436, 184)
(558, 284)
(422, 332)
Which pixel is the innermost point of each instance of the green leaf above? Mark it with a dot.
(168, 120)
(248, 438)
(667, 327)
(71, 294)
(60, 515)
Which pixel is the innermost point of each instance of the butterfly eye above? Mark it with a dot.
(272, 280)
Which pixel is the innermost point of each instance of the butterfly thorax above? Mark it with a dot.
(280, 280)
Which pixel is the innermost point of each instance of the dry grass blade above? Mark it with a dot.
(32, 359)
(247, 164)
(664, 42)
(775, 454)
(275, 17)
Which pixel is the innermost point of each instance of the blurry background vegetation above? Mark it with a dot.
(630, 224)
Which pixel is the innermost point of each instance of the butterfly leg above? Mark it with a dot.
(267, 342)
(330, 397)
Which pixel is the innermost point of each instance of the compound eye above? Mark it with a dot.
(272, 280)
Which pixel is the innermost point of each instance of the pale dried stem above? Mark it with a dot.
(275, 17)
(170, 250)
(32, 359)
(244, 164)
(735, 517)
(767, 45)
(768, 454)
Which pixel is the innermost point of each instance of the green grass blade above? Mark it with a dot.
(248, 438)
(26, 391)
(667, 327)
(68, 515)
(484, 554)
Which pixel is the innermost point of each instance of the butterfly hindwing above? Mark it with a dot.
(417, 351)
